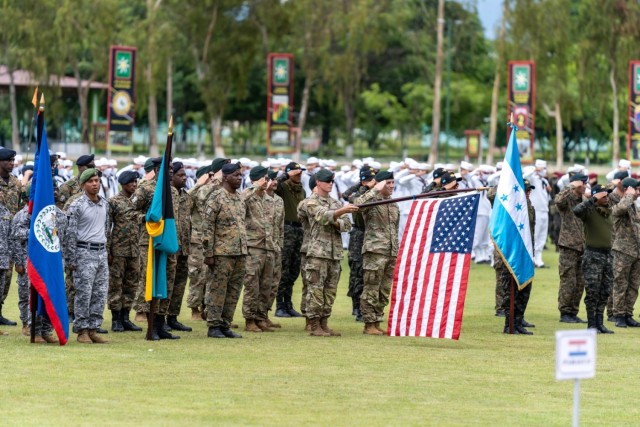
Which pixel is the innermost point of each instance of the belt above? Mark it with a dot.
(91, 246)
(293, 223)
(600, 250)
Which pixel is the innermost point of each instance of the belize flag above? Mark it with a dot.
(161, 226)
(509, 222)
(44, 259)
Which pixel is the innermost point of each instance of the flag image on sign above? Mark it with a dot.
(432, 269)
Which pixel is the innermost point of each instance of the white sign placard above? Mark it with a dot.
(575, 354)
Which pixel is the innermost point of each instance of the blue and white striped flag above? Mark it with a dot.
(509, 223)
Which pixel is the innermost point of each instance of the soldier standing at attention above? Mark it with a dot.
(292, 193)
(182, 204)
(225, 250)
(123, 253)
(571, 243)
(597, 260)
(326, 221)
(275, 210)
(72, 187)
(626, 255)
(380, 250)
(260, 248)
(86, 255)
(5, 251)
(198, 271)
(303, 217)
(356, 240)
(10, 197)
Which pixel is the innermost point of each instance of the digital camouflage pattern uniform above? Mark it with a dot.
(275, 209)
(123, 247)
(11, 197)
(5, 250)
(225, 240)
(68, 274)
(626, 256)
(356, 241)
(260, 258)
(141, 200)
(198, 271)
(303, 217)
(324, 253)
(182, 208)
(571, 243)
(380, 251)
(67, 190)
(597, 259)
(91, 277)
(292, 194)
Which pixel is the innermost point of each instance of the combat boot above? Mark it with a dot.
(195, 314)
(632, 322)
(101, 331)
(215, 332)
(316, 330)
(377, 326)
(292, 312)
(600, 325)
(228, 333)
(621, 322)
(358, 315)
(527, 324)
(307, 324)
(162, 333)
(128, 324)
(39, 340)
(4, 321)
(591, 319)
(251, 326)
(140, 317)
(174, 324)
(116, 324)
(50, 339)
(505, 330)
(521, 329)
(26, 330)
(93, 335)
(370, 329)
(272, 324)
(324, 324)
(281, 310)
(264, 326)
(83, 337)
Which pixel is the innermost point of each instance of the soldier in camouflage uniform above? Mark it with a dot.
(198, 271)
(260, 252)
(615, 196)
(182, 208)
(303, 217)
(380, 251)
(327, 219)
(11, 198)
(436, 184)
(571, 242)
(521, 299)
(626, 255)
(123, 253)
(275, 210)
(498, 264)
(595, 213)
(225, 250)
(356, 240)
(86, 255)
(292, 193)
(5, 251)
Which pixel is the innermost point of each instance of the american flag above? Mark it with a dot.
(432, 270)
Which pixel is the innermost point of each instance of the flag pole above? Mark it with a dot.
(33, 297)
(421, 196)
(34, 101)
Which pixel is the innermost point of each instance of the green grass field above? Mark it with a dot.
(288, 378)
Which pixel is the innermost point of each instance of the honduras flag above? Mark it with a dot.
(163, 235)
(44, 259)
(509, 222)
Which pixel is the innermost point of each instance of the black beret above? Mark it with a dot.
(324, 175)
(128, 176)
(257, 173)
(599, 188)
(630, 182)
(151, 163)
(448, 178)
(230, 168)
(294, 166)
(384, 175)
(27, 168)
(272, 174)
(366, 173)
(176, 166)
(438, 173)
(621, 175)
(579, 177)
(312, 182)
(6, 154)
(85, 160)
(201, 171)
(217, 164)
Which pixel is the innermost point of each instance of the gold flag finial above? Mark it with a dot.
(171, 125)
(34, 100)
(42, 102)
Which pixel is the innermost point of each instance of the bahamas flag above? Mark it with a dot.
(44, 259)
(509, 222)
(161, 226)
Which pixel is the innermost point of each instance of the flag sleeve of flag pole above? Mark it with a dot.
(432, 268)
(509, 223)
(44, 259)
(163, 236)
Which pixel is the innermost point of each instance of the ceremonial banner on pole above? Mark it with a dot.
(633, 138)
(432, 270)
(521, 88)
(121, 99)
(280, 139)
